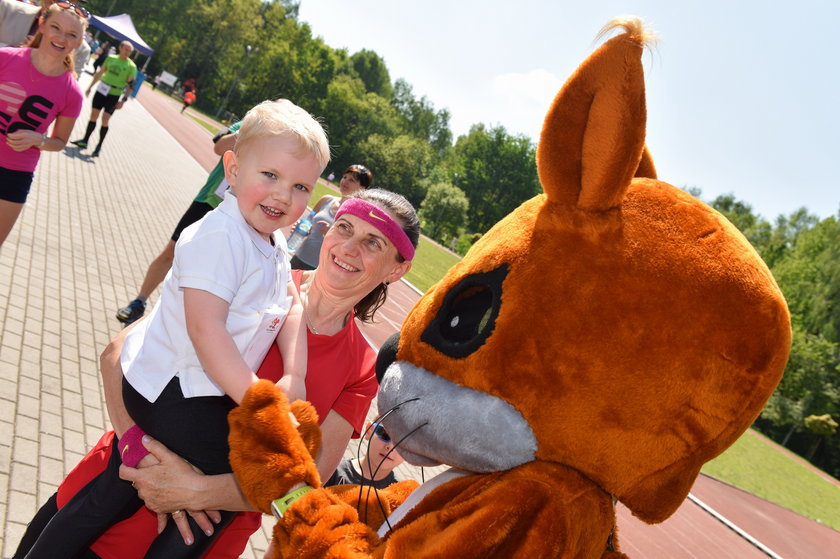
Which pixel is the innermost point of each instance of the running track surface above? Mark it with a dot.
(691, 532)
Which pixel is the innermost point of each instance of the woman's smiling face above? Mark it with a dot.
(61, 33)
(357, 254)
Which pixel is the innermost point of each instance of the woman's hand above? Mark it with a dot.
(20, 140)
(169, 484)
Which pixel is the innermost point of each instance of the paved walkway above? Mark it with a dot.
(78, 253)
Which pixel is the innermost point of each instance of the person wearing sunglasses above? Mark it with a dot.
(375, 467)
(355, 178)
(39, 88)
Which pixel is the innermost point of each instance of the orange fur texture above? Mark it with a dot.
(638, 334)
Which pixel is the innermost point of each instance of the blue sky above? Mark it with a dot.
(743, 96)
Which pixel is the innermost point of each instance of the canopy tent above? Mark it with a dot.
(121, 27)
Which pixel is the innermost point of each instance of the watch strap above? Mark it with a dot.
(279, 506)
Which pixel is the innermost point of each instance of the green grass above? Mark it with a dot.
(211, 127)
(765, 470)
(430, 264)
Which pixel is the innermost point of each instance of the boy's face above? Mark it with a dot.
(379, 452)
(272, 186)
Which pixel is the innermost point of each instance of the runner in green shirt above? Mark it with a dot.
(115, 77)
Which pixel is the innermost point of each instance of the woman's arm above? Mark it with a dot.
(291, 341)
(20, 140)
(206, 315)
(174, 484)
(335, 436)
(112, 374)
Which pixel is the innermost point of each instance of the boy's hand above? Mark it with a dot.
(267, 451)
(293, 386)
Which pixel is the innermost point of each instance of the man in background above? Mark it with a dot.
(116, 77)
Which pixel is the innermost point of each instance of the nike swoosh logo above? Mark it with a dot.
(125, 448)
(373, 215)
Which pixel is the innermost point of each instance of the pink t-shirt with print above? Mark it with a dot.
(30, 100)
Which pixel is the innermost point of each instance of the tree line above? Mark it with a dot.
(242, 52)
(803, 253)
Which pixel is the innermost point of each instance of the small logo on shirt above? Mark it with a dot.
(273, 325)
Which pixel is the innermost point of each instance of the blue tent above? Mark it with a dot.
(122, 28)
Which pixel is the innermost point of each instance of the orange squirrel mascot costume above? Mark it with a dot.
(600, 343)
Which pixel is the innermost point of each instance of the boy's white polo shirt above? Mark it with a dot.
(220, 254)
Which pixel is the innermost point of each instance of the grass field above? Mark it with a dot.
(212, 128)
(765, 470)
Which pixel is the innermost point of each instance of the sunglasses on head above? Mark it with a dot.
(381, 433)
(80, 11)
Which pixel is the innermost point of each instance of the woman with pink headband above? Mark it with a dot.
(354, 179)
(370, 246)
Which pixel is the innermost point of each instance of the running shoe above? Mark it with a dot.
(96, 151)
(81, 144)
(131, 312)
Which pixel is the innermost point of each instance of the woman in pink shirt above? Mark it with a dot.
(37, 86)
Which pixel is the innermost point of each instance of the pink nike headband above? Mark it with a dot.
(380, 219)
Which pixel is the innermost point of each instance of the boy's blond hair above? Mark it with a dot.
(285, 119)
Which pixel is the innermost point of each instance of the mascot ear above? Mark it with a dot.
(646, 168)
(594, 133)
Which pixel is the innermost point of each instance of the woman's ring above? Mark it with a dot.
(177, 514)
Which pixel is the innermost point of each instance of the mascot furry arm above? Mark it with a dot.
(600, 343)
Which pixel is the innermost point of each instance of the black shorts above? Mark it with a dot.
(196, 211)
(194, 428)
(14, 185)
(109, 102)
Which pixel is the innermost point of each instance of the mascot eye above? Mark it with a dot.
(468, 314)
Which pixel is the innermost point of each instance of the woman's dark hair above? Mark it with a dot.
(362, 174)
(402, 210)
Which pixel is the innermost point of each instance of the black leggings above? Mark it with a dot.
(194, 428)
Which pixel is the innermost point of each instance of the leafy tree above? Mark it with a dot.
(399, 164)
(371, 69)
(755, 228)
(443, 212)
(785, 233)
(496, 171)
(809, 275)
(809, 386)
(823, 426)
(420, 118)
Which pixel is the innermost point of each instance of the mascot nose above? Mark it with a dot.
(387, 355)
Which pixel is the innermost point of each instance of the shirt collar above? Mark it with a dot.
(230, 207)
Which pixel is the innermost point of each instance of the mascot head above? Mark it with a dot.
(614, 324)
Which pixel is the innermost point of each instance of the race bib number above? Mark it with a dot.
(103, 88)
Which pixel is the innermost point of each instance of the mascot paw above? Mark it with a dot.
(268, 453)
